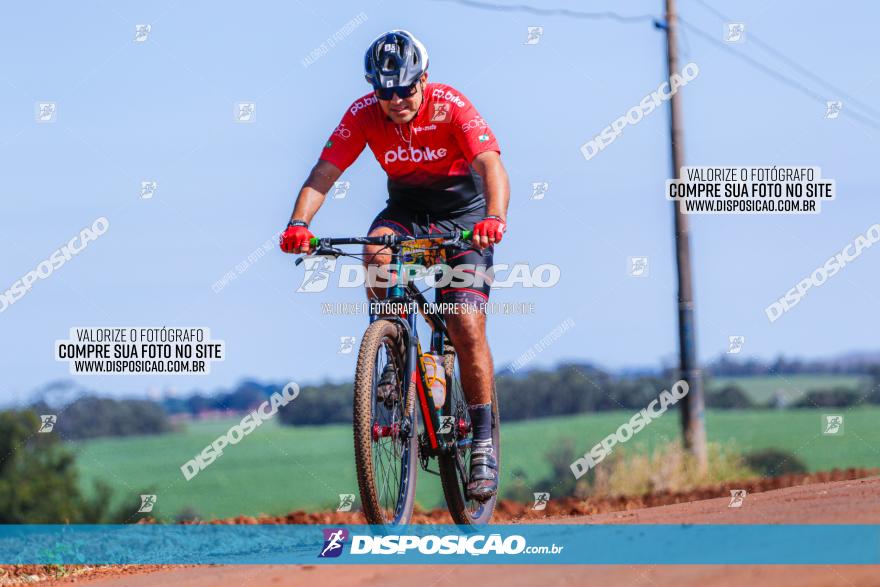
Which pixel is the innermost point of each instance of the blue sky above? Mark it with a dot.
(163, 110)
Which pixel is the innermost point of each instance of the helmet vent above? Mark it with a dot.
(395, 58)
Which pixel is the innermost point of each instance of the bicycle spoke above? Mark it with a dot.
(388, 451)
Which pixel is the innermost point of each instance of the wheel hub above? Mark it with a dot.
(380, 431)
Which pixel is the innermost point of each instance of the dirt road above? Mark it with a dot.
(855, 502)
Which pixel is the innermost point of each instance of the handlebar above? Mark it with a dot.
(388, 239)
(326, 244)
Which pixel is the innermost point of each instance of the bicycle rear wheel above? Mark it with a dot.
(385, 440)
(454, 468)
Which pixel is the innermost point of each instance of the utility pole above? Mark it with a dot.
(692, 406)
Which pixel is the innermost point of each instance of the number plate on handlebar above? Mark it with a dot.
(426, 251)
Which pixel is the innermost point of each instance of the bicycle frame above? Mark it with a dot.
(438, 442)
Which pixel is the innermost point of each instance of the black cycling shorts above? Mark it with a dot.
(404, 221)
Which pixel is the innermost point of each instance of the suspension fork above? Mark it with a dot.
(396, 290)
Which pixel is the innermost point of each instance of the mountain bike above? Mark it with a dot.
(401, 427)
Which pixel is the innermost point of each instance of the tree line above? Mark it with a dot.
(568, 388)
(39, 480)
(727, 365)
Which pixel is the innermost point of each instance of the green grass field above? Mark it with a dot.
(761, 389)
(279, 469)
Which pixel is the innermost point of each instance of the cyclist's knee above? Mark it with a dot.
(468, 330)
(377, 254)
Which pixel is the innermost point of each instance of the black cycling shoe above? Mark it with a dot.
(386, 389)
(483, 483)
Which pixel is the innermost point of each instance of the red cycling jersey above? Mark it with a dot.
(428, 159)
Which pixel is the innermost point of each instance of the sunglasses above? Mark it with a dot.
(402, 91)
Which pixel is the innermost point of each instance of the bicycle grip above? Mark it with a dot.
(467, 235)
(314, 241)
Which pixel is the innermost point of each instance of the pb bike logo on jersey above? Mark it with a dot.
(414, 155)
(363, 103)
(448, 96)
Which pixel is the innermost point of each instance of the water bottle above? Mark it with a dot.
(435, 377)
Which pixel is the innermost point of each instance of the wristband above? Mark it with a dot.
(298, 223)
(498, 218)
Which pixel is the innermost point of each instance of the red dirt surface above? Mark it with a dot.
(835, 497)
(512, 511)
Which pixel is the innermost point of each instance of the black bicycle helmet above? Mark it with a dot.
(395, 58)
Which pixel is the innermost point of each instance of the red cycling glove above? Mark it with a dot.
(491, 227)
(296, 239)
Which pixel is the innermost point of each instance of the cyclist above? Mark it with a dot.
(444, 174)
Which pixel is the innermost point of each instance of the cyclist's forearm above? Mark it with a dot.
(311, 195)
(497, 195)
(307, 204)
(496, 186)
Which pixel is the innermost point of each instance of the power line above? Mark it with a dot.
(772, 73)
(696, 30)
(791, 62)
(556, 11)
(686, 49)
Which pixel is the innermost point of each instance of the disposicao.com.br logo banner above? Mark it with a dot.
(571, 544)
(478, 543)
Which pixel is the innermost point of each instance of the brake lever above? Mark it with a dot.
(331, 251)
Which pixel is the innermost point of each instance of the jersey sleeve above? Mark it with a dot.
(472, 132)
(345, 143)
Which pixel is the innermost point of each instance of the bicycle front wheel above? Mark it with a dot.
(385, 440)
